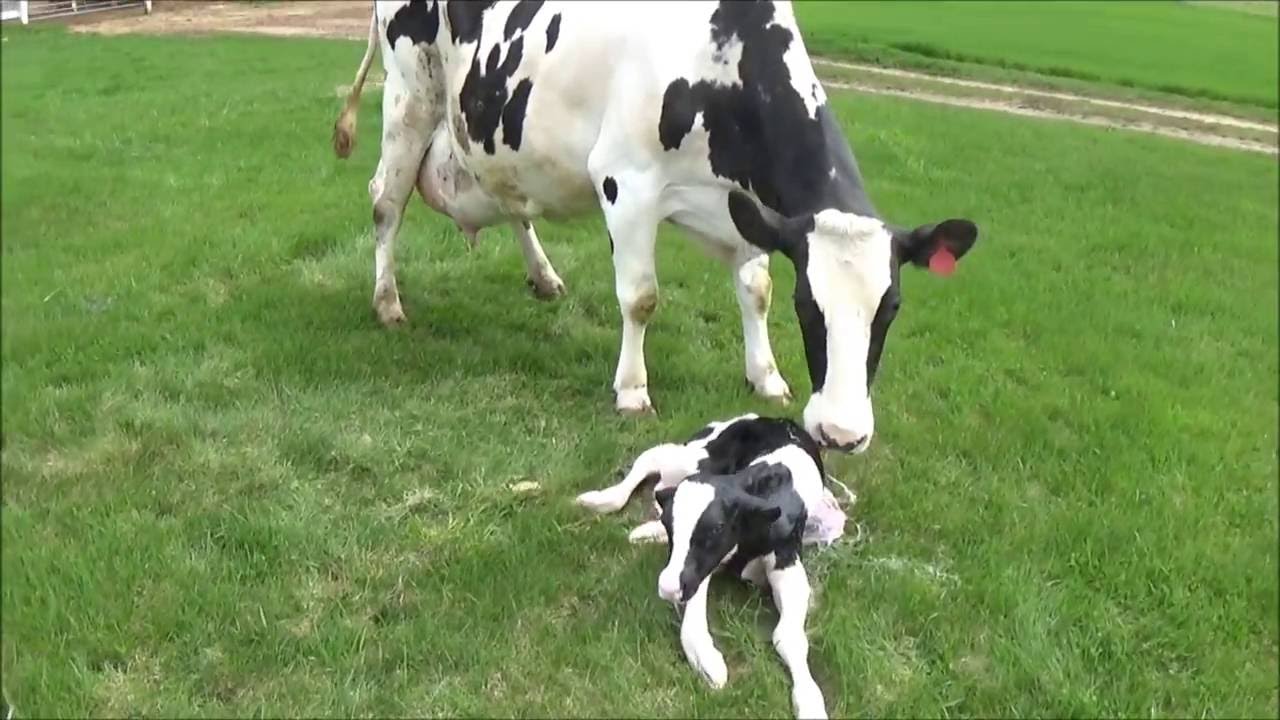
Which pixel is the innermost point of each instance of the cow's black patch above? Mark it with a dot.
(745, 440)
(610, 187)
(793, 173)
(520, 17)
(553, 31)
(885, 313)
(676, 119)
(513, 114)
(419, 21)
(466, 19)
(610, 242)
(484, 95)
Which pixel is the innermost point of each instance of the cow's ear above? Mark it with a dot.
(936, 247)
(765, 228)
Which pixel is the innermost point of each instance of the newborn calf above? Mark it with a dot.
(745, 494)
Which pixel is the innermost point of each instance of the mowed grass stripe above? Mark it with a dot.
(1195, 50)
(226, 491)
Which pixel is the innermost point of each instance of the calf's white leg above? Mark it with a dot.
(649, 532)
(542, 278)
(791, 594)
(754, 289)
(669, 462)
(699, 649)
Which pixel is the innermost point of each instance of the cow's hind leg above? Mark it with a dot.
(408, 119)
(541, 277)
(754, 289)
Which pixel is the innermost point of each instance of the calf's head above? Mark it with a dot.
(847, 295)
(704, 522)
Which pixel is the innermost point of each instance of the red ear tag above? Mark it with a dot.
(942, 262)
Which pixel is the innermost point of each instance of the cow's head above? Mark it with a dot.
(847, 295)
(705, 520)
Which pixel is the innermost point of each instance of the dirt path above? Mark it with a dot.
(349, 19)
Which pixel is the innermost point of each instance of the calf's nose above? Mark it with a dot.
(669, 587)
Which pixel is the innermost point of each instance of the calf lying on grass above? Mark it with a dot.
(745, 494)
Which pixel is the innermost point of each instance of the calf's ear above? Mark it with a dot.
(936, 247)
(752, 508)
(664, 496)
(765, 228)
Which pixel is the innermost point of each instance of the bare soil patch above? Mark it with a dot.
(348, 19)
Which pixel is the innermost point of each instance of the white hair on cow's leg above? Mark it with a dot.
(670, 462)
(541, 275)
(754, 289)
(791, 594)
(695, 638)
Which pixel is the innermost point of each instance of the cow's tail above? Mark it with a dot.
(344, 130)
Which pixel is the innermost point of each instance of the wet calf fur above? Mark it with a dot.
(737, 495)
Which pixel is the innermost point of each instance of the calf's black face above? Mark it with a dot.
(705, 520)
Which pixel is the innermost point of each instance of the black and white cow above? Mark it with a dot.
(702, 114)
(745, 494)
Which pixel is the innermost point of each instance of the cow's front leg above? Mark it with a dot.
(791, 594)
(631, 214)
(754, 289)
(541, 277)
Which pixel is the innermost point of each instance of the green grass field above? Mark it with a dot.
(1198, 50)
(228, 492)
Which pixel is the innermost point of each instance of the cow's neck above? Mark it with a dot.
(815, 188)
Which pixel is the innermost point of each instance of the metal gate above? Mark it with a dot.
(28, 10)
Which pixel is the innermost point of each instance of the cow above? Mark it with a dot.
(705, 115)
(744, 494)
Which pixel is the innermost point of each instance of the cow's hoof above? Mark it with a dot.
(634, 402)
(390, 314)
(546, 288)
(772, 387)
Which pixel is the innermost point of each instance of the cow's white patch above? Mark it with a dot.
(690, 501)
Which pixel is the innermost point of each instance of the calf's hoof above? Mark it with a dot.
(710, 664)
(634, 402)
(808, 703)
(601, 501)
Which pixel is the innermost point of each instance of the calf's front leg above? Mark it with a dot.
(699, 649)
(791, 594)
